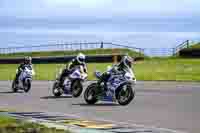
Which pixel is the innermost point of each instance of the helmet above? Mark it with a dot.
(80, 58)
(127, 61)
(27, 60)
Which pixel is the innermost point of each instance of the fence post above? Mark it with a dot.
(115, 55)
(187, 43)
(101, 44)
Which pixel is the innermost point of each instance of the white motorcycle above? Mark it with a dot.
(73, 84)
(24, 80)
(120, 88)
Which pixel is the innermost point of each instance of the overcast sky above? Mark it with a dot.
(100, 15)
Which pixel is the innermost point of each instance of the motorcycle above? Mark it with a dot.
(120, 88)
(24, 80)
(72, 85)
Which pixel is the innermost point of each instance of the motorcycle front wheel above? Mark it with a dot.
(27, 86)
(14, 87)
(55, 90)
(90, 94)
(77, 88)
(125, 94)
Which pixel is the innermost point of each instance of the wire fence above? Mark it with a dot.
(152, 52)
(67, 47)
(95, 45)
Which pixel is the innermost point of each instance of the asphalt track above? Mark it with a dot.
(169, 105)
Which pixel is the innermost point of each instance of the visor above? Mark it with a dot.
(81, 59)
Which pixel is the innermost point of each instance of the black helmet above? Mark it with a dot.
(127, 61)
(27, 60)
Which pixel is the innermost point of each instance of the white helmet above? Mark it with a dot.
(127, 61)
(27, 60)
(80, 58)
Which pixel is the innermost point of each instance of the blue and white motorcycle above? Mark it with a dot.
(120, 88)
(24, 80)
(72, 85)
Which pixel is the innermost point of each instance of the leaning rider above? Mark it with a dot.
(121, 68)
(27, 63)
(79, 60)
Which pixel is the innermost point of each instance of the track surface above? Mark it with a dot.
(173, 105)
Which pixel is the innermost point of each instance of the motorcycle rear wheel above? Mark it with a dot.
(27, 86)
(55, 90)
(14, 88)
(76, 88)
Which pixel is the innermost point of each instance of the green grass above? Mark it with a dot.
(6, 120)
(195, 46)
(11, 125)
(168, 69)
(62, 53)
(149, 69)
(45, 71)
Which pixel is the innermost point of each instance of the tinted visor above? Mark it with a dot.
(81, 59)
(128, 63)
(27, 60)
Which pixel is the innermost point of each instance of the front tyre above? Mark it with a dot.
(76, 88)
(90, 94)
(55, 90)
(14, 87)
(125, 94)
(27, 86)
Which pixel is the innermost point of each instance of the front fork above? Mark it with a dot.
(26, 80)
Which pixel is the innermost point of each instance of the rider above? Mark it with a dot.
(27, 63)
(79, 60)
(121, 68)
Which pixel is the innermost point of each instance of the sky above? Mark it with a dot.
(143, 23)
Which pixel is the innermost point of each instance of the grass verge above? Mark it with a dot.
(63, 53)
(149, 69)
(194, 46)
(11, 125)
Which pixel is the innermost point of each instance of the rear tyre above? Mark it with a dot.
(77, 88)
(27, 86)
(90, 94)
(14, 87)
(125, 94)
(56, 90)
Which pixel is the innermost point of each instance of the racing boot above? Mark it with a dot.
(102, 88)
(60, 80)
(60, 83)
(16, 80)
(64, 74)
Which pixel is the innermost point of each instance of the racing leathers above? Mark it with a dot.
(69, 68)
(120, 68)
(20, 69)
